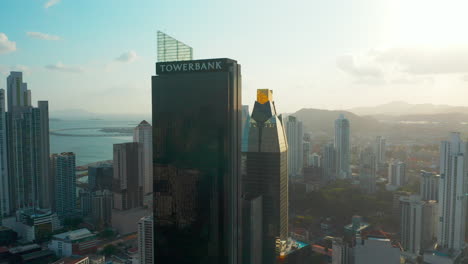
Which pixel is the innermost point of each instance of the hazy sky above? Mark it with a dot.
(99, 55)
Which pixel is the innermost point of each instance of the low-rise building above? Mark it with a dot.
(77, 242)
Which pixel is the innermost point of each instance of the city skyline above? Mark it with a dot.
(371, 64)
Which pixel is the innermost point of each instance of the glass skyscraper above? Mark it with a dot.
(63, 167)
(196, 154)
(342, 147)
(170, 49)
(267, 171)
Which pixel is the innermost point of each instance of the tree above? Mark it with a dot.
(110, 250)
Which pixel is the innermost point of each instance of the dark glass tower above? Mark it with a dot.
(196, 147)
(267, 171)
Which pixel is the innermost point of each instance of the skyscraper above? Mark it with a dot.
(63, 168)
(294, 134)
(127, 184)
(411, 223)
(380, 149)
(170, 49)
(397, 173)
(145, 240)
(452, 193)
(329, 162)
(100, 177)
(367, 170)
(143, 134)
(429, 186)
(28, 147)
(4, 180)
(196, 153)
(342, 147)
(245, 127)
(267, 170)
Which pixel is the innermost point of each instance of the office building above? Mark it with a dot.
(342, 134)
(4, 180)
(252, 229)
(143, 134)
(101, 208)
(452, 194)
(367, 170)
(295, 136)
(245, 128)
(397, 173)
(267, 163)
(379, 150)
(196, 153)
(329, 162)
(429, 186)
(28, 147)
(100, 177)
(63, 168)
(127, 182)
(32, 224)
(145, 240)
(170, 49)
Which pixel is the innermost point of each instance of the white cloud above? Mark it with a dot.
(64, 68)
(347, 64)
(43, 36)
(6, 45)
(127, 57)
(51, 3)
(426, 60)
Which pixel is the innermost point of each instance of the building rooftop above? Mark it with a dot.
(74, 235)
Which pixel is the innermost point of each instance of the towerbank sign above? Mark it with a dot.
(191, 66)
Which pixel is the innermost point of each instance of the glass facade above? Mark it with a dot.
(170, 49)
(196, 146)
(267, 171)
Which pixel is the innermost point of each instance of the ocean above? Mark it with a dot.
(84, 138)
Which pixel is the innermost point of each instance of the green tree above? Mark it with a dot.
(110, 250)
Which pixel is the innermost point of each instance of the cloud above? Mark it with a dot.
(426, 60)
(64, 68)
(347, 64)
(412, 80)
(6, 45)
(44, 36)
(464, 78)
(127, 57)
(51, 3)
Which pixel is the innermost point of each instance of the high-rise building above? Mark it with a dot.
(452, 193)
(63, 167)
(100, 176)
(411, 223)
(252, 229)
(101, 208)
(367, 170)
(127, 186)
(143, 134)
(329, 162)
(267, 170)
(170, 49)
(294, 134)
(4, 180)
(245, 127)
(306, 153)
(397, 173)
(196, 153)
(315, 160)
(342, 132)
(380, 149)
(429, 186)
(28, 147)
(145, 240)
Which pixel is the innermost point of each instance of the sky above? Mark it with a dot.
(99, 55)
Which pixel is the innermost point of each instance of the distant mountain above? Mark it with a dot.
(397, 108)
(321, 122)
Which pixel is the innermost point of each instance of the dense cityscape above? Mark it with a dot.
(206, 177)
